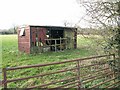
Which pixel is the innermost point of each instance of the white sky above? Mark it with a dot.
(38, 12)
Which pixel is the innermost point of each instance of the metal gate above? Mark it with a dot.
(91, 72)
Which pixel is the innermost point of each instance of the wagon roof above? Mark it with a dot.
(53, 27)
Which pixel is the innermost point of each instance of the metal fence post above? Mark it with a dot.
(4, 78)
(78, 74)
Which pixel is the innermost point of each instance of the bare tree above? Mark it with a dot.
(15, 27)
(103, 15)
(68, 24)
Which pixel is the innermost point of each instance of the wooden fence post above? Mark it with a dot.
(4, 78)
(55, 45)
(60, 44)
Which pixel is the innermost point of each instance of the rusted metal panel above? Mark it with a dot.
(24, 41)
(42, 35)
(33, 34)
(38, 36)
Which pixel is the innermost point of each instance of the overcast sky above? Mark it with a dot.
(39, 12)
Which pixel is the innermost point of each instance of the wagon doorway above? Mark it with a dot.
(57, 41)
(57, 33)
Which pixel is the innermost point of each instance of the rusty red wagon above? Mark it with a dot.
(37, 39)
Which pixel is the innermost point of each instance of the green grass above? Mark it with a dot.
(11, 57)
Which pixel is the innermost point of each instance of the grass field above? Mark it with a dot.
(11, 57)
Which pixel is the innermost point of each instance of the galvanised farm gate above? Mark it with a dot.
(36, 39)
